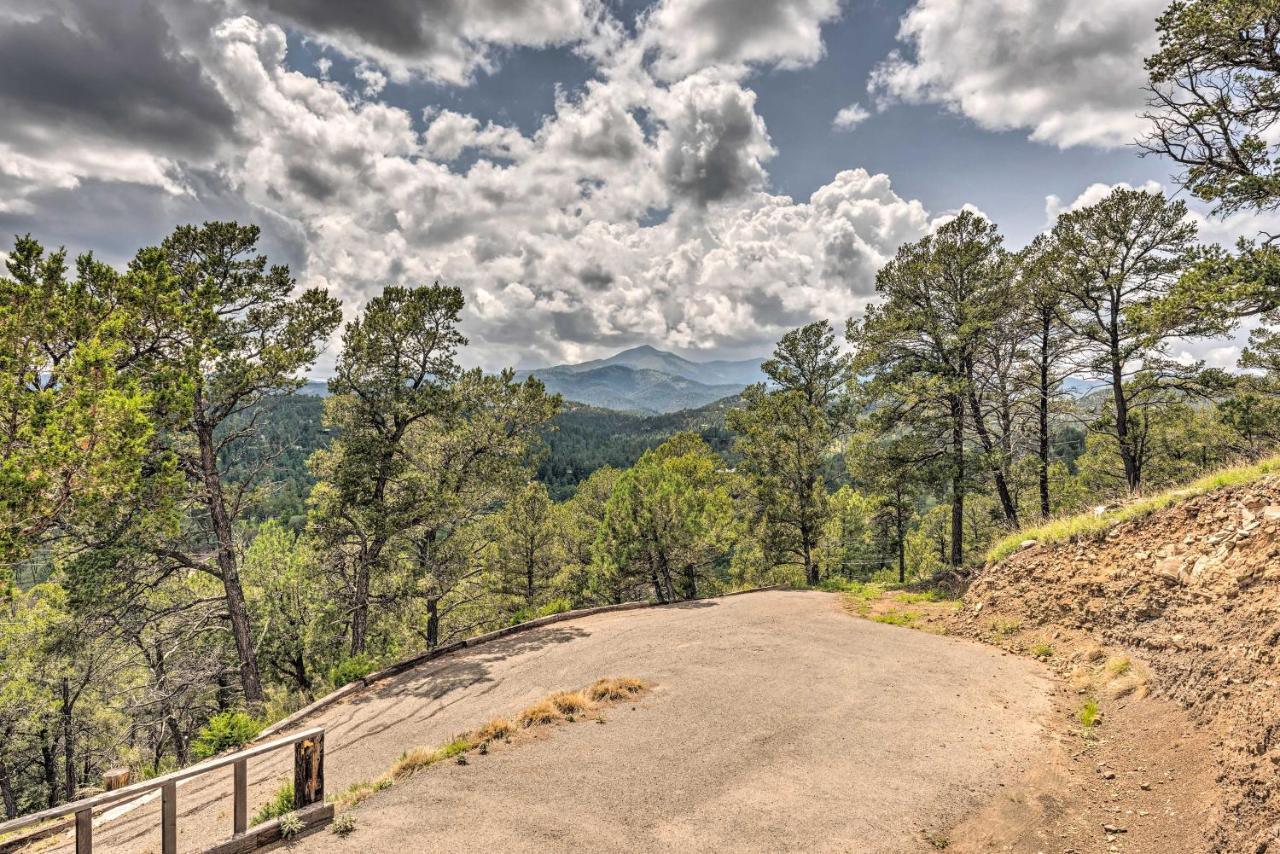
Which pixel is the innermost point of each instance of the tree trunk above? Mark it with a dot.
(49, 764)
(6, 790)
(657, 588)
(232, 589)
(984, 436)
(1131, 475)
(690, 581)
(68, 744)
(433, 622)
(957, 482)
(1042, 421)
(360, 609)
(902, 548)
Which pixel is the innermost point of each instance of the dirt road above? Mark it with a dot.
(776, 723)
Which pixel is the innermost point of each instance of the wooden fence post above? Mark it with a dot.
(240, 797)
(84, 832)
(169, 818)
(308, 771)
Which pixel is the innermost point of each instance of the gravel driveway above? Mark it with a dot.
(777, 723)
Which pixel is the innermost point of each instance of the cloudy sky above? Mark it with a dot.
(700, 175)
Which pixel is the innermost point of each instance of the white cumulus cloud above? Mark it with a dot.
(1069, 73)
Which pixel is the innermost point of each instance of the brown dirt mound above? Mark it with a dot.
(1192, 592)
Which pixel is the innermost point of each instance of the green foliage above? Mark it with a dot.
(224, 731)
(668, 521)
(350, 669)
(1214, 100)
(1088, 714)
(583, 439)
(1042, 651)
(280, 804)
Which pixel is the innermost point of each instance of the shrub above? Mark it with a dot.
(350, 669)
(281, 803)
(1089, 714)
(344, 824)
(224, 731)
(1118, 666)
(555, 606)
(1042, 651)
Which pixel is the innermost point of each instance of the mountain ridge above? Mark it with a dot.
(648, 381)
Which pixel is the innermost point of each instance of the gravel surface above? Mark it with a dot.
(776, 723)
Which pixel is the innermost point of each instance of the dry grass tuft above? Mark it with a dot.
(613, 690)
(571, 702)
(495, 730)
(541, 713)
(413, 760)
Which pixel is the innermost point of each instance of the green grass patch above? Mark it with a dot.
(1119, 666)
(1088, 714)
(894, 617)
(1042, 651)
(1088, 524)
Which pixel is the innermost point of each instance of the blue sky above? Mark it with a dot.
(594, 175)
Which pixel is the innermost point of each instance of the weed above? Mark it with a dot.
(1042, 651)
(612, 690)
(290, 825)
(897, 618)
(1005, 628)
(344, 824)
(496, 729)
(1088, 714)
(357, 792)
(1118, 666)
(281, 802)
(540, 713)
(412, 760)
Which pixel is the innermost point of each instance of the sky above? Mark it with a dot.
(698, 175)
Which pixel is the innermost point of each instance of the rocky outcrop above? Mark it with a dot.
(1193, 592)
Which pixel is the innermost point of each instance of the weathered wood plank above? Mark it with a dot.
(268, 833)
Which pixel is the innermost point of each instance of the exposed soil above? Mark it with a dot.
(1171, 623)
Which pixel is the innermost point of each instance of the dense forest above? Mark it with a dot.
(189, 548)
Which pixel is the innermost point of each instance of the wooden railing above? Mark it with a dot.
(308, 790)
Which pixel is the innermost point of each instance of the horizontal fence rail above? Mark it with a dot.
(308, 789)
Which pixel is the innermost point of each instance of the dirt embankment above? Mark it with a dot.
(1188, 600)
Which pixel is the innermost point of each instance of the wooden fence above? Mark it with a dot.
(308, 797)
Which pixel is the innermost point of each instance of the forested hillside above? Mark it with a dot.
(190, 548)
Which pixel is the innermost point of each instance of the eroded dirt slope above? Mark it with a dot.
(1192, 592)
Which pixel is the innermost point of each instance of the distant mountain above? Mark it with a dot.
(646, 358)
(315, 388)
(649, 381)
